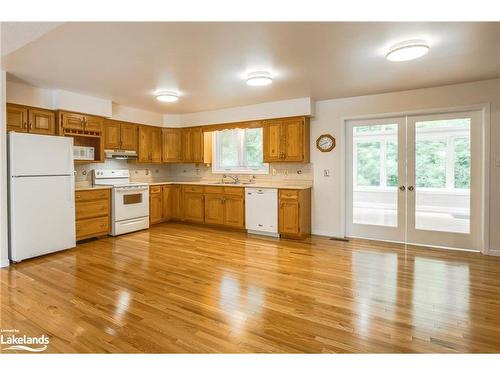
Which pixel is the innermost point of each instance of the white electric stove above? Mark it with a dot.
(130, 200)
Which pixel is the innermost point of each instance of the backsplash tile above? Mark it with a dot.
(286, 172)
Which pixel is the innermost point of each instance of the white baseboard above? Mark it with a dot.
(326, 234)
(492, 252)
(4, 263)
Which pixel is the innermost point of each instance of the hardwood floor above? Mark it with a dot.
(184, 288)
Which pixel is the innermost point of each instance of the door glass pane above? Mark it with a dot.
(375, 175)
(442, 175)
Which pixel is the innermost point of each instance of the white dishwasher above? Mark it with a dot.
(261, 211)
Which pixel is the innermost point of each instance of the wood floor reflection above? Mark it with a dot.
(180, 288)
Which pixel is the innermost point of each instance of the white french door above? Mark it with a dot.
(416, 179)
(444, 180)
(375, 179)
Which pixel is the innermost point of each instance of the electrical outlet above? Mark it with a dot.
(326, 172)
(274, 172)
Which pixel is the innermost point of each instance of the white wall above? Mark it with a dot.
(329, 115)
(124, 113)
(20, 93)
(4, 250)
(282, 108)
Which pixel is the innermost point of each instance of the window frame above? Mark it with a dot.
(449, 136)
(216, 156)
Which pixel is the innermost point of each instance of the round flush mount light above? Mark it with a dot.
(259, 79)
(167, 96)
(408, 50)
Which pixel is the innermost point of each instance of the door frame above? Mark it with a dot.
(485, 110)
(383, 232)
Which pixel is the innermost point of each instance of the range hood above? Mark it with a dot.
(120, 154)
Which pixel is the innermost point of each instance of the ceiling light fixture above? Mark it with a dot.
(259, 79)
(167, 96)
(408, 50)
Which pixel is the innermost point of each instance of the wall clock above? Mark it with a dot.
(325, 143)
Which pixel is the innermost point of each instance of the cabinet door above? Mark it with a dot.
(17, 118)
(193, 207)
(272, 141)
(155, 206)
(145, 154)
(289, 217)
(41, 121)
(93, 124)
(111, 135)
(234, 212)
(197, 145)
(293, 139)
(72, 121)
(214, 209)
(187, 151)
(175, 202)
(172, 144)
(128, 133)
(155, 145)
(167, 202)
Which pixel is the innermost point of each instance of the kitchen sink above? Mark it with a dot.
(232, 183)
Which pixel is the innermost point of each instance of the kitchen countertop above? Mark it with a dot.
(91, 187)
(271, 185)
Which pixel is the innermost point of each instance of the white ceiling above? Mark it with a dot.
(207, 62)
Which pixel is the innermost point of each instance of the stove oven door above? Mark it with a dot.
(130, 202)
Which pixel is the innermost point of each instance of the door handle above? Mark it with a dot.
(402, 188)
(411, 188)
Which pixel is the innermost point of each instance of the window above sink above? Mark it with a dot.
(238, 151)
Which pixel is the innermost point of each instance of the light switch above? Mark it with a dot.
(326, 172)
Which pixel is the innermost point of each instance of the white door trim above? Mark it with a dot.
(485, 109)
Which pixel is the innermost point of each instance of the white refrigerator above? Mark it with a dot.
(41, 195)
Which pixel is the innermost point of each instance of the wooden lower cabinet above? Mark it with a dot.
(93, 212)
(193, 204)
(294, 216)
(155, 205)
(214, 209)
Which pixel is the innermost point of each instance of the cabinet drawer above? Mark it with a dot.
(214, 189)
(236, 191)
(91, 195)
(88, 209)
(155, 189)
(89, 227)
(192, 189)
(289, 194)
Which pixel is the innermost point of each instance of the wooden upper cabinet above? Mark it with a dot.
(72, 121)
(145, 143)
(293, 135)
(128, 133)
(172, 145)
(286, 140)
(112, 136)
(93, 124)
(156, 143)
(41, 121)
(187, 145)
(33, 120)
(17, 118)
(197, 143)
(272, 141)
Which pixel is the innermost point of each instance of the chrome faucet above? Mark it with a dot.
(235, 179)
